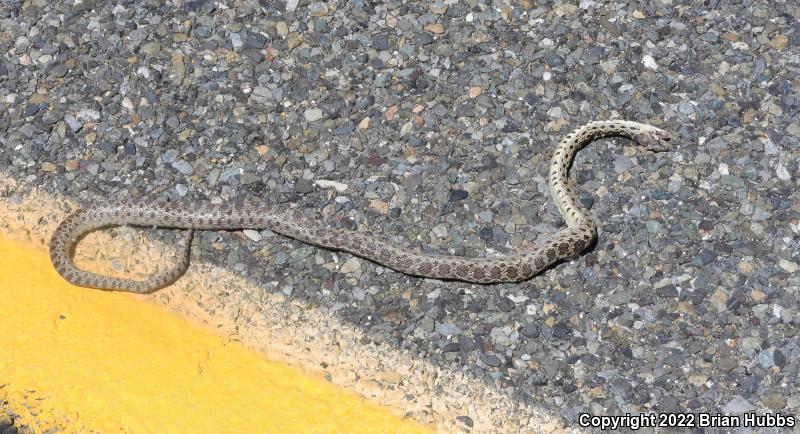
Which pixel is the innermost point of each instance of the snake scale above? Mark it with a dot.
(579, 234)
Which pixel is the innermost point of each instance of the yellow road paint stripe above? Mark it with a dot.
(76, 359)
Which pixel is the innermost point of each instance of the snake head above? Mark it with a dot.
(654, 139)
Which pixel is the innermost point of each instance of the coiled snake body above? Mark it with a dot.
(570, 241)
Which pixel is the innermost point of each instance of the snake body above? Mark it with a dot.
(579, 234)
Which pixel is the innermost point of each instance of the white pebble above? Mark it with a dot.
(782, 172)
(789, 266)
(522, 298)
(88, 115)
(649, 62)
(181, 189)
(253, 235)
(338, 186)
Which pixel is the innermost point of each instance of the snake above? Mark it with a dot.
(578, 235)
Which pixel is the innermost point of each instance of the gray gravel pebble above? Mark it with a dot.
(183, 166)
(738, 405)
(312, 115)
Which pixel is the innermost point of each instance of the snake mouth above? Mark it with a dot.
(664, 136)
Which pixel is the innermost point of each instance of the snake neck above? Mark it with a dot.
(573, 213)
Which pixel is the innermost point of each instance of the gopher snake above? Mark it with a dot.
(570, 241)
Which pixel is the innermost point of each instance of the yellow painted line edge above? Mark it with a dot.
(77, 359)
